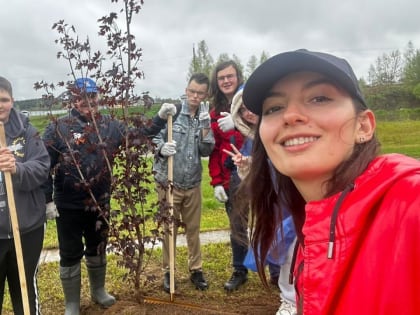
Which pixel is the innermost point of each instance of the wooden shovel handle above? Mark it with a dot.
(15, 229)
(171, 212)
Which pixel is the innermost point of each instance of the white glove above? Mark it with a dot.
(220, 194)
(167, 109)
(168, 148)
(204, 116)
(51, 211)
(226, 123)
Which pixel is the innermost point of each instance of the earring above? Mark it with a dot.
(361, 140)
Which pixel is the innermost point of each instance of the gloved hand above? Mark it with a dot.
(226, 123)
(220, 194)
(204, 116)
(167, 109)
(168, 148)
(51, 211)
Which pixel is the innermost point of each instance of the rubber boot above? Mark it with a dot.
(96, 267)
(70, 280)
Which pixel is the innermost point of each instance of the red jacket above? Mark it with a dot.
(218, 172)
(375, 264)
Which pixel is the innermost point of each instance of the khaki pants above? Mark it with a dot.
(186, 208)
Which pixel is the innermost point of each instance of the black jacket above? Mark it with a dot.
(32, 167)
(69, 188)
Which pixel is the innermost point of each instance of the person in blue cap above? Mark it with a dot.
(82, 228)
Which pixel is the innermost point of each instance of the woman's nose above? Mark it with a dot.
(294, 113)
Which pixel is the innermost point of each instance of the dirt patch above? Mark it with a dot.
(267, 303)
(251, 298)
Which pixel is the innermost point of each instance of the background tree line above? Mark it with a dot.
(202, 61)
(393, 81)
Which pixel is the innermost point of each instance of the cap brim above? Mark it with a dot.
(275, 68)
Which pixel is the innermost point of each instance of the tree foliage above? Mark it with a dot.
(251, 65)
(132, 232)
(387, 69)
(201, 61)
(394, 79)
(412, 70)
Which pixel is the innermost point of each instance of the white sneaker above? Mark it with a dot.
(286, 308)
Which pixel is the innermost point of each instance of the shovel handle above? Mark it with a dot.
(15, 229)
(171, 213)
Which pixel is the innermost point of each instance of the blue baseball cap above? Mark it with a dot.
(86, 85)
(273, 69)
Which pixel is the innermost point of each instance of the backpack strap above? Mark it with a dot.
(178, 110)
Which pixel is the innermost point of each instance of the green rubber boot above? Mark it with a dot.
(70, 280)
(96, 267)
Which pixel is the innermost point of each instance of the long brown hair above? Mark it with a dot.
(218, 99)
(265, 197)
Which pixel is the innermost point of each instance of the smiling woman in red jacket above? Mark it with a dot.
(357, 213)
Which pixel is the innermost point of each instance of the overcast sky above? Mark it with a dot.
(357, 30)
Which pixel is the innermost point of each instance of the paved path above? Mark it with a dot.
(51, 255)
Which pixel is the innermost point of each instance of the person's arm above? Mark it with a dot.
(206, 138)
(159, 121)
(215, 163)
(49, 139)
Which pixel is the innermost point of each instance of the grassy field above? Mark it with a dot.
(400, 137)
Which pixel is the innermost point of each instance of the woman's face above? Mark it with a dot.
(247, 115)
(308, 126)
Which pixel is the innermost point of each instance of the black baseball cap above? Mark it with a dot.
(278, 66)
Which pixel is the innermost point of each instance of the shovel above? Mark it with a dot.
(171, 214)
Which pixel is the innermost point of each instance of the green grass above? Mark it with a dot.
(400, 137)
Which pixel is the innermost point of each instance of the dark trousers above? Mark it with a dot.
(31, 250)
(80, 233)
(238, 219)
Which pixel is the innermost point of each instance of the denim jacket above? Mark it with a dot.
(190, 147)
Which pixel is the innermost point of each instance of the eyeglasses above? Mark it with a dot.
(5, 100)
(199, 93)
(224, 77)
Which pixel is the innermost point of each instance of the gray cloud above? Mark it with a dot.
(357, 30)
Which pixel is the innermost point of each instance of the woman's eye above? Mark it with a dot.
(272, 110)
(320, 99)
